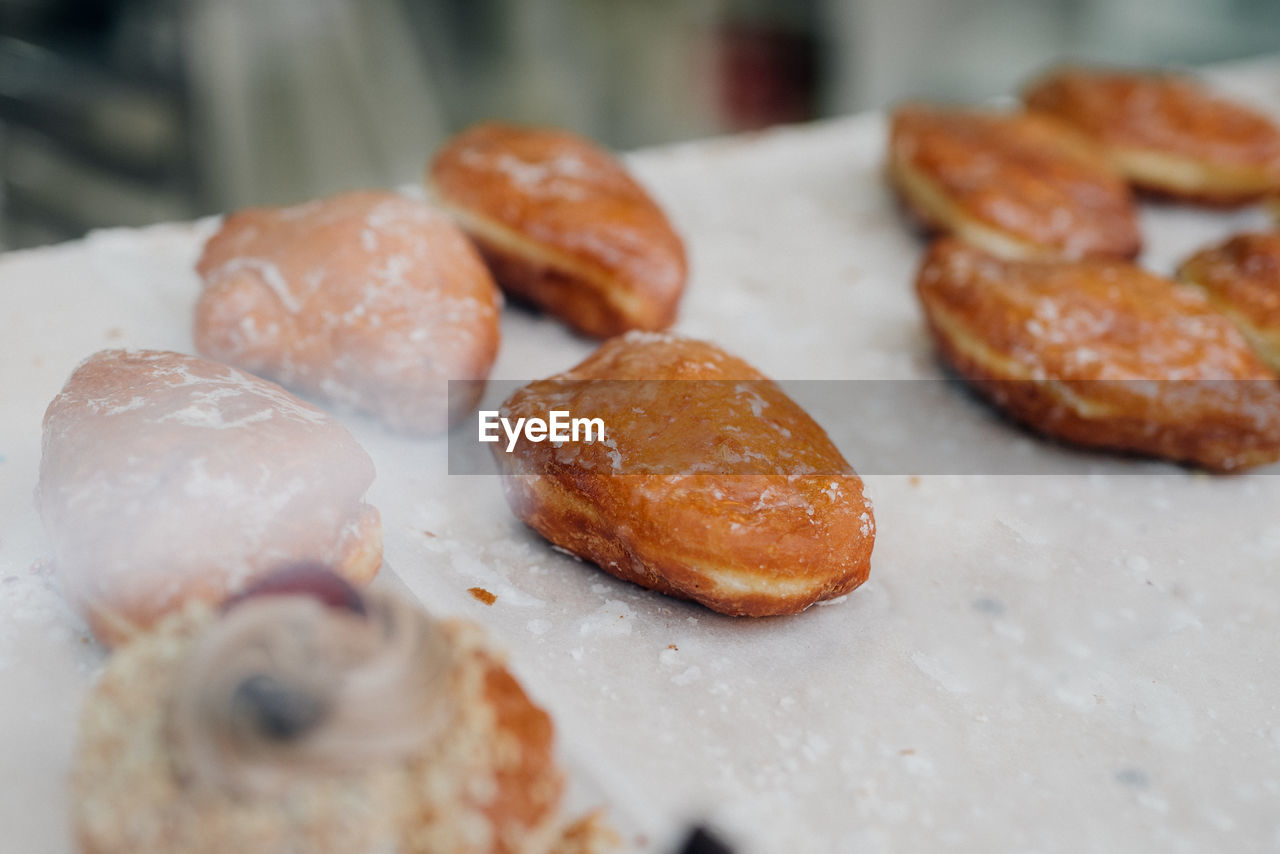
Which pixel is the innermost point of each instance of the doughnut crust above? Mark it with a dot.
(711, 484)
(166, 478)
(1015, 184)
(1166, 133)
(484, 782)
(563, 226)
(367, 299)
(1241, 277)
(1102, 354)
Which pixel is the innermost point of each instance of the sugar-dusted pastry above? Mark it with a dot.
(1103, 354)
(166, 478)
(1241, 277)
(563, 226)
(367, 299)
(311, 718)
(709, 484)
(1018, 185)
(1167, 133)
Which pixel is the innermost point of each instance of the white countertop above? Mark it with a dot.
(1056, 662)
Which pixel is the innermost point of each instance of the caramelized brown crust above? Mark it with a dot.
(368, 299)
(487, 785)
(1241, 277)
(1167, 133)
(723, 492)
(166, 478)
(1103, 354)
(563, 226)
(1015, 184)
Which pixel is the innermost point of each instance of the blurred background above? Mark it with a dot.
(127, 112)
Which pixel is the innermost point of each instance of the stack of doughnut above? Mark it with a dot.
(1032, 295)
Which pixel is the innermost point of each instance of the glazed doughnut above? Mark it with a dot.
(1241, 277)
(1015, 184)
(710, 484)
(1167, 133)
(367, 299)
(291, 722)
(1102, 354)
(563, 226)
(166, 477)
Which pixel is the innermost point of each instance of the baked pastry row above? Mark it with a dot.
(1051, 181)
(373, 301)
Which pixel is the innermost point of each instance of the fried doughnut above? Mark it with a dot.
(563, 226)
(291, 723)
(1103, 354)
(710, 484)
(1241, 277)
(1167, 133)
(1015, 184)
(366, 299)
(166, 477)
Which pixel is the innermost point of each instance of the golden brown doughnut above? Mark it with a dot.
(1167, 133)
(1102, 354)
(367, 299)
(563, 226)
(711, 484)
(292, 723)
(1015, 184)
(166, 477)
(1241, 277)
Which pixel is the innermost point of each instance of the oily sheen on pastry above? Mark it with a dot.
(367, 299)
(306, 717)
(166, 477)
(1018, 185)
(1241, 277)
(710, 484)
(563, 226)
(1103, 354)
(1167, 133)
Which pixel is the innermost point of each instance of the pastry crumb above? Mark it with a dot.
(590, 834)
(482, 595)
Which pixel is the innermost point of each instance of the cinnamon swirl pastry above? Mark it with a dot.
(306, 717)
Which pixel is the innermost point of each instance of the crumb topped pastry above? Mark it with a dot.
(166, 477)
(308, 718)
(563, 226)
(1103, 354)
(367, 299)
(1017, 185)
(710, 484)
(1167, 133)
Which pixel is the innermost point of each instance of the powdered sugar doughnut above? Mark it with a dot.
(367, 299)
(166, 478)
